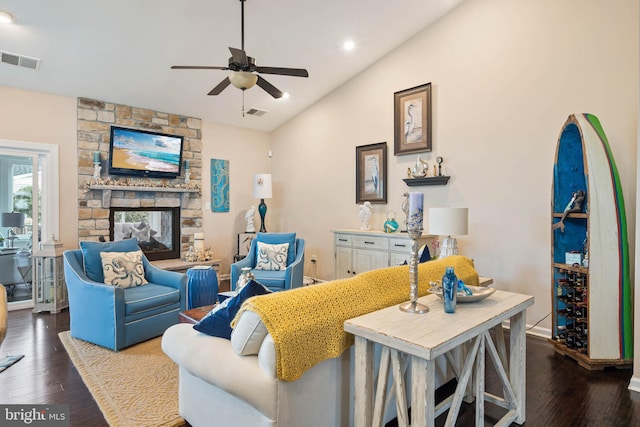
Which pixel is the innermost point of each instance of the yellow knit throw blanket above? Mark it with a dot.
(307, 323)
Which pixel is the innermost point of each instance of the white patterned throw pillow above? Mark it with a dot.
(272, 257)
(123, 269)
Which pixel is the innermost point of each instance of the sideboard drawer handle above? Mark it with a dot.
(342, 240)
(369, 243)
(397, 245)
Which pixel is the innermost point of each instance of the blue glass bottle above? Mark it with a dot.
(449, 290)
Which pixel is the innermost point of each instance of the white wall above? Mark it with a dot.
(505, 77)
(247, 152)
(48, 119)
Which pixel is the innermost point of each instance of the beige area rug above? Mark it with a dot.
(137, 386)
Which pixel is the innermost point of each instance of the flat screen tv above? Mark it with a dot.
(135, 152)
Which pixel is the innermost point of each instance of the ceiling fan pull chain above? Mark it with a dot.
(243, 97)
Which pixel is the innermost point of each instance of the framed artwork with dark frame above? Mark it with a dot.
(371, 173)
(412, 120)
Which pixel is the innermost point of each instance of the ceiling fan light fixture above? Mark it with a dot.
(243, 79)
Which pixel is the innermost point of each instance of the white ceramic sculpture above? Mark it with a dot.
(365, 215)
(248, 217)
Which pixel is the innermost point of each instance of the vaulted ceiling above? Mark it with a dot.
(121, 51)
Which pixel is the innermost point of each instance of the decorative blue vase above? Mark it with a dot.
(449, 290)
(391, 225)
(202, 286)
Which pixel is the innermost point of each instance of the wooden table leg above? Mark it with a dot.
(518, 363)
(423, 376)
(479, 382)
(363, 379)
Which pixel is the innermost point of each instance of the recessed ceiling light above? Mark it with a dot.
(349, 45)
(6, 18)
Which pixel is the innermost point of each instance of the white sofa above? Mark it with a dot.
(219, 386)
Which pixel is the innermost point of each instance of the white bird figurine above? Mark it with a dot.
(365, 214)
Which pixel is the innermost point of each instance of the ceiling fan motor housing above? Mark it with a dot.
(250, 66)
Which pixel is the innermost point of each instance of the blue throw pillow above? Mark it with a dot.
(91, 255)
(217, 322)
(278, 238)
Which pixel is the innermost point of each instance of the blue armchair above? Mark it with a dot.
(276, 280)
(115, 317)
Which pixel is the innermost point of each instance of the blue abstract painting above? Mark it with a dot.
(219, 185)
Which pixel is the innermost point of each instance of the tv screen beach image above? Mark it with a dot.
(145, 151)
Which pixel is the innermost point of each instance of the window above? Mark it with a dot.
(29, 189)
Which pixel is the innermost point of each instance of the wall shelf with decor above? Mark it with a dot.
(107, 189)
(429, 180)
(590, 279)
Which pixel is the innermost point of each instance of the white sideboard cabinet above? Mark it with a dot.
(356, 251)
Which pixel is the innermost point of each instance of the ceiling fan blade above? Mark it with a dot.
(269, 88)
(239, 56)
(221, 86)
(197, 67)
(296, 72)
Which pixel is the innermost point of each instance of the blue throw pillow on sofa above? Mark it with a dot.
(91, 255)
(279, 238)
(217, 322)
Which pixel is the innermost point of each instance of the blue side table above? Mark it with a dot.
(202, 286)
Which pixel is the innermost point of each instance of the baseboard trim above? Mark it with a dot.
(634, 384)
(536, 331)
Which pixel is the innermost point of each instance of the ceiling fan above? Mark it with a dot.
(243, 70)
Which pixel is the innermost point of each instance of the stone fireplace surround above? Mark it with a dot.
(94, 122)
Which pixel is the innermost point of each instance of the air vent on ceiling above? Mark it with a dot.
(256, 112)
(19, 60)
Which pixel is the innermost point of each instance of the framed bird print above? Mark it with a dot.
(371, 173)
(412, 120)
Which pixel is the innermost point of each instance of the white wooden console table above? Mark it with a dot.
(424, 337)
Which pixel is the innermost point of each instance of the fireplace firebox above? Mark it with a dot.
(157, 229)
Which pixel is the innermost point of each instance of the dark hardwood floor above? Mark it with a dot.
(559, 392)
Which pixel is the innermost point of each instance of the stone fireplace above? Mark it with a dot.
(97, 202)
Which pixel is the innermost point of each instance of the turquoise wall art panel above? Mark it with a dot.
(219, 185)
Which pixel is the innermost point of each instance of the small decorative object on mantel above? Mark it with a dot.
(415, 226)
(137, 182)
(97, 165)
(187, 172)
(364, 212)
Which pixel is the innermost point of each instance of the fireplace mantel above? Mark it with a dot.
(107, 189)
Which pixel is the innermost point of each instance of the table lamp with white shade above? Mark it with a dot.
(262, 190)
(449, 222)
